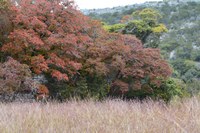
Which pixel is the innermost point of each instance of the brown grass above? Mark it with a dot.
(110, 116)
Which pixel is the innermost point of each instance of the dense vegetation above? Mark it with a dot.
(77, 57)
(179, 44)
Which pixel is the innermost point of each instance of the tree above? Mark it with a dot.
(45, 40)
(145, 23)
(124, 62)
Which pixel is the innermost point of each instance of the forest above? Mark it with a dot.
(49, 48)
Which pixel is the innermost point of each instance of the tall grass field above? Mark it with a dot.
(109, 116)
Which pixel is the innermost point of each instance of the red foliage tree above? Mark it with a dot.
(48, 36)
(124, 61)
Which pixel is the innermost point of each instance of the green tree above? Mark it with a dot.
(145, 25)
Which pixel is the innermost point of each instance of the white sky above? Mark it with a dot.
(92, 4)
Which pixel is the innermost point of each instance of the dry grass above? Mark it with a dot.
(111, 116)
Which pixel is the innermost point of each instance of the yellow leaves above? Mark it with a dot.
(148, 15)
(114, 28)
(159, 29)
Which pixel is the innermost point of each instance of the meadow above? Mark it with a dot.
(109, 116)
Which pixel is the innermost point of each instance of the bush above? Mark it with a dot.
(167, 91)
(16, 83)
(170, 89)
(14, 77)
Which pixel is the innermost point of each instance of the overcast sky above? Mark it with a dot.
(91, 4)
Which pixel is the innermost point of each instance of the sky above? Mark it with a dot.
(92, 4)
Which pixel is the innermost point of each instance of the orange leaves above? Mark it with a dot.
(51, 29)
(39, 64)
(42, 93)
(42, 89)
(54, 59)
(58, 75)
(22, 39)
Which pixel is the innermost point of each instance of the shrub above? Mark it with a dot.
(170, 89)
(14, 77)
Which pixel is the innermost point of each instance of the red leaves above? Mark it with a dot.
(124, 57)
(38, 25)
(75, 65)
(58, 75)
(42, 89)
(119, 87)
(48, 35)
(54, 59)
(22, 39)
(39, 65)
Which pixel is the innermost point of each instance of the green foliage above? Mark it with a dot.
(148, 15)
(161, 28)
(82, 87)
(170, 89)
(187, 69)
(193, 87)
(143, 24)
(167, 90)
(114, 28)
(138, 28)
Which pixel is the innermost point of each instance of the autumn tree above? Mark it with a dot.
(124, 62)
(48, 36)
